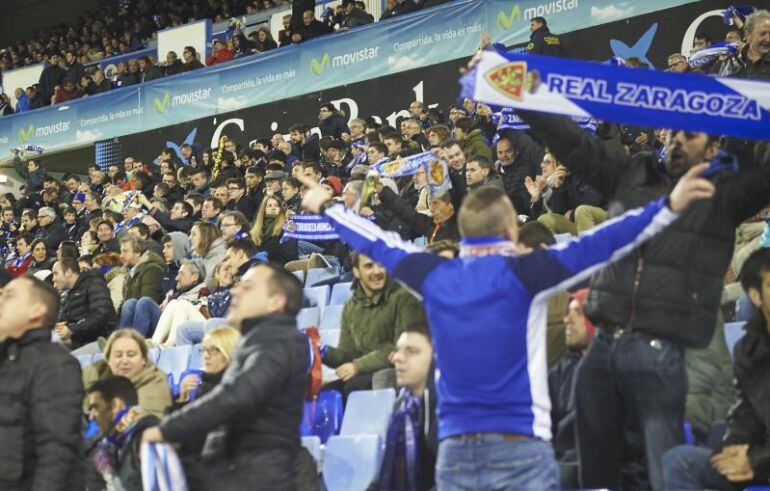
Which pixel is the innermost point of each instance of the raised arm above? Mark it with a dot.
(403, 260)
(598, 163)
(564, 265)
(417, 222)
(21, 169)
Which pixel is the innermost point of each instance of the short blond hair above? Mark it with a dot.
(486, 212)
(224, 339)
(126, 333)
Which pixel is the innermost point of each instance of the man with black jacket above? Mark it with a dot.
(542, 41)
(87, 311)
(51, 231)
(42, 394)
(518, 157)
(50, 78)
(178, 220)
(260, 398)
(441, 224)
(753, 60)
(743, 457)
(310, 28)
(649, 306)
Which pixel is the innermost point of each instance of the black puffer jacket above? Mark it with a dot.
(419, 223)
(41, 394)
(88, 309)
(52, 235)
(749, 419)
(738, 65)
(529, 155)
(671, 288)
(261, 395)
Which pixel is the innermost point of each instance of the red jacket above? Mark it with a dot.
(220, 57)
(18, 267)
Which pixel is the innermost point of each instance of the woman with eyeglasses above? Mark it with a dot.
(332, 122)
(218, 347)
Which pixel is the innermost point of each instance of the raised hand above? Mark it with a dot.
(690, 187)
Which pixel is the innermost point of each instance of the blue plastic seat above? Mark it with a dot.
(313, 445)
(315, 275)
(309, 316)
(421, 241)
(351, 463)
(196, 357)
(341, 293)
(331, 318)
(733, 333)
(322, 418)
(154, 355)
(300, 274)
(175, 360)
(368, 412)
(331, 337)
(85, 360)
(317, 296)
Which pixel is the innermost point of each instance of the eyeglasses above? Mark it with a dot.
(211, 350)
(223, 225)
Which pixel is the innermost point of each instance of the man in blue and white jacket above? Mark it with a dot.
(487, 314)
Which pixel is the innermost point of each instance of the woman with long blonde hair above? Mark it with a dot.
(209, 247)
(268, 231)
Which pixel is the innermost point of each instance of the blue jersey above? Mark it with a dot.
(487, 314)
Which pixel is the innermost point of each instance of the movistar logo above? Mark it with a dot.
(318, 67)
(505, 21)
(168, 101)
(25, 135)
(160, 105)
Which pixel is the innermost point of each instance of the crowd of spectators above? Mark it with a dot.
(69, 53)
(167, 249)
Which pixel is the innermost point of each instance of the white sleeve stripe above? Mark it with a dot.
(660, 221)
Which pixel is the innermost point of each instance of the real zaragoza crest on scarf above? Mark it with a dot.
(511, 79)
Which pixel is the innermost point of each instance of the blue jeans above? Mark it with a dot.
(305, 248)
(192, 332)
(142, 315)
(627, 382)
(688, 467)
(495, 464)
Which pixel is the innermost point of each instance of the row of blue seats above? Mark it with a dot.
(734, 331)
(315, 275)
(325, 295)
(177, 362)
(351, 459)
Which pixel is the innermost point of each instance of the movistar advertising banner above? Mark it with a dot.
(428, 37)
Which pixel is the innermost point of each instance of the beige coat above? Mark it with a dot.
(151, 384)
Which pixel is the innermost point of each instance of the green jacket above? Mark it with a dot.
(474, 145)
(371, 326)
(709, 376)
(145, 279)
(32, 181)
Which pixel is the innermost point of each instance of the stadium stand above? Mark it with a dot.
(132, 223)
